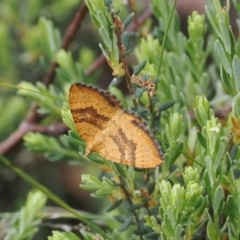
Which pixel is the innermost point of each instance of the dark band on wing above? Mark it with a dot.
(144, 128)
(124, 144)
(91, 116)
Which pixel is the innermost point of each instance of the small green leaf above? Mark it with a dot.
(105, 37)
(228, 162)
(167, 227)
(130, 174)
(94, 157)
(171, 216)
(125, 40)
(115, 82)
(209, 169)
(139, 91)
(102, 19)
(126, 224)
(56, 235)
(218, 199)
(134, 207)
(211, 17)
(151, 235)
(108, 3)
(208, 184)
(150, 186)
(227, 81)
(129, 51)
(225, 35)
(167, 105)
(223, 58)
(201, 139)
(74, 136)
(128, 19)
(222, 149)
(211, 232)
(101, 193)
(94, 18)
(113, 206)
(105, 53)
(176, 152)
(233, 232)
(236, 72)
(234, 152)
(119, 168)
(233, 209)
(140, 68)
(90, 182)
(50, 37)
(200, 209)
(114, 52)
(178, 232)
(117, 11)
(236, 105)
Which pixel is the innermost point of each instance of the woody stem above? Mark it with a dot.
(118, 31)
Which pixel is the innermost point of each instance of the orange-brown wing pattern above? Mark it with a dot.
(91, 109)
(107, 129)
(128, 140)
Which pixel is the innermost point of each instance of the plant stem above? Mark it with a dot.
(118, 31)
(130, 202)
(165, 37)
(151, 108)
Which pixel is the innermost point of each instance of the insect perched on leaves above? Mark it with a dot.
(108, 129)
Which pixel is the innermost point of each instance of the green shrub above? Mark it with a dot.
(181, 86)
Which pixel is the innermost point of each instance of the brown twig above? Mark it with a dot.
(131, 27)
(118, 25)
(48, 79)
(96, 64)
(151, 108)
(33, 117)
(54, 129)
(25, 127)
(74, 26)
(14, 138)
